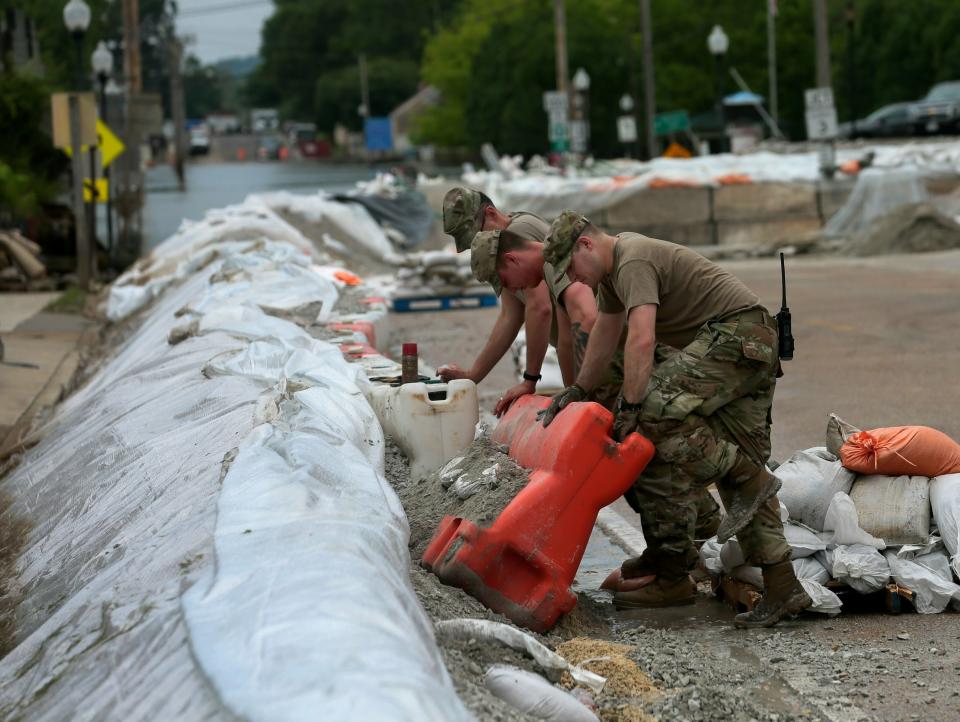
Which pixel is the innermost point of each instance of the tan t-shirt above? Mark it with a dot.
(689, 289)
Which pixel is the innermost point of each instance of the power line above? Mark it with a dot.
(226, 7)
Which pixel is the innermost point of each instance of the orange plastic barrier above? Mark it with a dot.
(900, 450)
(350, 279)
(523, 564)
(734, 179)
(364, 327)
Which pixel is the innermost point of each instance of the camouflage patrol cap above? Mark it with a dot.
(558, 247)
(461, 215)
(483, 258)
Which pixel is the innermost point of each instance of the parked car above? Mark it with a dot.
(889, 121)
(199, 140)
(939, 111)
(268, 148)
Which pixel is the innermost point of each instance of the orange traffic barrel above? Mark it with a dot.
(523, 564)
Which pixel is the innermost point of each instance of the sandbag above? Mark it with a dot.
(945, 504)
(861, 567)
(842, 519)
(802, 541)
(533, 695)
(894, 508)
(824, 601)
(810, 568)
(749, 575)
(710, 556)
(931, 591)
(838, 431)
(810, 479)
(731, 555)
(901, 450)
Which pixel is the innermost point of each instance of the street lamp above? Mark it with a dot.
(102, 62)
(717, 44)
(581, 128)
(76, 16)
(626, 103)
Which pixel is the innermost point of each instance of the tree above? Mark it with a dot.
(202, 88)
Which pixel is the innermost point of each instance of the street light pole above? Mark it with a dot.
(102, 62)
(717, 44)
(76, 17)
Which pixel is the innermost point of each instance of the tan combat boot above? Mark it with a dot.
(747, 500)
(658, 593)
(784, 597)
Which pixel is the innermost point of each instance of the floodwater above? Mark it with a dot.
(214, 185)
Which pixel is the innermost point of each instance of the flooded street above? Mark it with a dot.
(215, 185)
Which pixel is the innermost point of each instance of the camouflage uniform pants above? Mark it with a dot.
(706, 510)
(707, 408)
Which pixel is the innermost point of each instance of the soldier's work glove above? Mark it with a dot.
(627, 420)
(560, 402)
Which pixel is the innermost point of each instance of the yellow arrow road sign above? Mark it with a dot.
(103, 190)
(109, 144)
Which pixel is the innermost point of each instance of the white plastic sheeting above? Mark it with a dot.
(350, 224)
(877, 192)
(945, 501)
(149, 592)
(610, 183)
(932, 586)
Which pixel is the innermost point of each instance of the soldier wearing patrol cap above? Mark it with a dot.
(466, 212)
(502, 258)
(706, 408)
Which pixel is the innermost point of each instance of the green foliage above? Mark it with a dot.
(29, 164)
(310, 50)
(202, 88)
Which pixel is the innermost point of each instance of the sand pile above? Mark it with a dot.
(476, 486)
(912, 228)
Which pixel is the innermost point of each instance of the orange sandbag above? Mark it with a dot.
(901, 450)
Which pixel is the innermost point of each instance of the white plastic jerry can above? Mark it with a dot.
(431, 423)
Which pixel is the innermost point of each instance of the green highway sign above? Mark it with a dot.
(675, 121)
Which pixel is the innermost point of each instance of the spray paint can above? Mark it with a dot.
(409, 366)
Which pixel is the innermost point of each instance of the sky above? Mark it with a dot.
(223, 28)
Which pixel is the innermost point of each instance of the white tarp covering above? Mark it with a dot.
(166, 579)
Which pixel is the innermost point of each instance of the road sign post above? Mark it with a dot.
(821, 117)
(557, 105)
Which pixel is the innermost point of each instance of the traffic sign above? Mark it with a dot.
(559, 132)
(627, 129)
(821, 115)
(102, 190)
(556, 101)
(675, 121)
(109, 144)
(578, 136)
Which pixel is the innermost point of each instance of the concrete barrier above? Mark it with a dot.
(832, 196)
(761, 233)
(765, 201)
(661, 207)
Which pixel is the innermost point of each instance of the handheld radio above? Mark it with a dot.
(784, 331)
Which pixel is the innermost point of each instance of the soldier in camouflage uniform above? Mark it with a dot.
(466, 212)
(507, 259)
(706, 407)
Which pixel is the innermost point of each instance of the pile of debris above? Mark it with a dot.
(20, 264)
(437, 273)
(854, 533)
(911, 228)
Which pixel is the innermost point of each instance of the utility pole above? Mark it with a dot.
(364, 87)
(772, 57)
(80, 227)
(177, 110)
(560, 38)
(131, 46)
(822, 35)
(649, 94)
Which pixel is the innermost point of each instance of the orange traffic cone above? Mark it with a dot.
(523, 565)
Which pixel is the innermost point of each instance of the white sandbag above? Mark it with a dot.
(838, 431)
(842, 519)
(945, 503)
(811, 568)
(861, 567)
(533, 695)
(803, 542)
(731, 555)
(893, 508)
(522, 642)
(824, 601)
(710, 556)
(931, 592)
(749, 575)
(810, 479)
